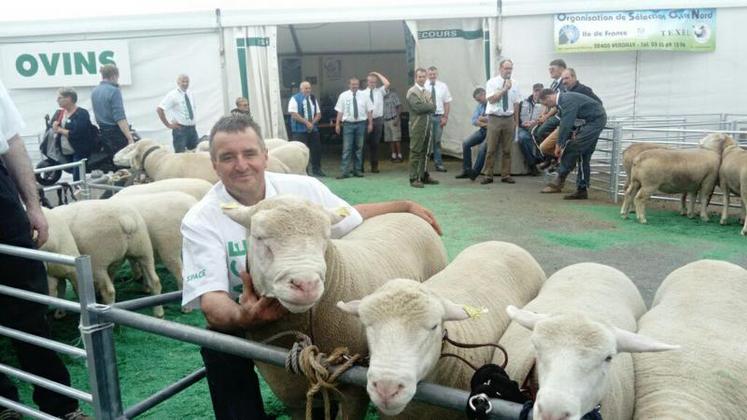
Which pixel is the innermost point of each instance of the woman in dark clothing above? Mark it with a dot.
(72, 126)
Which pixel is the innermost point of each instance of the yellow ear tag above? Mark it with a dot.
(342, 212)
(229, 206)
(474, 312)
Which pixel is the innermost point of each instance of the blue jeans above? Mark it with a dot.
(352, 143)
(435, 141)
(185, 138)
(478, 137)
(528, 147)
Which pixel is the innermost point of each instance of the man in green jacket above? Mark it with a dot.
(421, 107)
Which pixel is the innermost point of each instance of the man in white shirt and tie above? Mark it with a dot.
(441, 98)
(177, 112)
(376, 94)
(503, 114)
(354, 119)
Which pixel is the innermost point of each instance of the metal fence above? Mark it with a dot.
(96, 327)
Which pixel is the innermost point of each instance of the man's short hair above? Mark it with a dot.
(502, 62)
(354, 78)
(420, 70)
(537, 86)
(235, 124)
(545, 93)
(433, 68)
(68, 92)
(108, 71)
(571, 71)
(558, 62)
(240, 99)
(478, 91)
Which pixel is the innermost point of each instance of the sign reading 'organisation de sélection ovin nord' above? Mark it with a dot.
(667, 29)
(55, 64)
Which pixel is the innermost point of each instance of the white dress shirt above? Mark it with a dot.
(514, 97)
(443, 96)
(345, 106)
(11, 122)
(378, 102)
(293, 107)
(175, 107)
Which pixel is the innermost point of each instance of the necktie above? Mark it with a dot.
(189, 107)
(554, 85)
(505, 98)
(309, 114)
(371, 92)
(355, 107)
(433, 93)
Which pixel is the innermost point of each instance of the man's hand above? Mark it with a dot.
(424, 214)
(39, 226)
(258, 310)
(309, 125)
(174, 125)
(444, 120)
(507, 86)
(558, 151)
(370, 127)
(337, 129)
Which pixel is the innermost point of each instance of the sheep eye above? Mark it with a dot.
(433, 328)
(608, 358)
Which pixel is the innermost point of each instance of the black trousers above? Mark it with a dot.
(112, 138)
(314, 143)
(372, 142)
(23, 315)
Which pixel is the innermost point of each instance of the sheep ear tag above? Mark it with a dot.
(336, 215)
(457, 312)
(238, 213)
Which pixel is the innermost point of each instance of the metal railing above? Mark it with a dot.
(96, 327)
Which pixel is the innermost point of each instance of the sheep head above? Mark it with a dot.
(287, 238)
(404, 327)
(717, 142)
(574, 354)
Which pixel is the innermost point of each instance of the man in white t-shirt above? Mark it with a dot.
(376, 94)
(214, 254)
(177, 112)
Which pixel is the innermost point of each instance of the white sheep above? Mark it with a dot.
(703, 307)
(197, 188)
(631, 152)
(294, 154)
(110, 231)
(733, 179)
(405, 322)
(275, 142)
(673, 171)
(578, 348)
(163, 213)
(60, 241)
(282, 228)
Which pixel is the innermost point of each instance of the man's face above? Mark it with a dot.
(507, 69)
(239, 162)
(306, 89)
(420, 77)
(480, 97)
(183, 82)
(243, 105)
(432, 75)
(568, 80)
(371, 82)
(549, 101)
(353, 84)
(555, 71)
(536, 95)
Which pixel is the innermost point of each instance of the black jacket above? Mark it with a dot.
(573, 106)
(585, 90)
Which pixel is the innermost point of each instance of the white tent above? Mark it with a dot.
(248, 48)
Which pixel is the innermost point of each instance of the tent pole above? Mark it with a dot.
(222, 59)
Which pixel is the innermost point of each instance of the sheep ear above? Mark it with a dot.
(349, 307)
(526, 319)
(635, 343)
(454, 312)
(337, 215)
(239, 214)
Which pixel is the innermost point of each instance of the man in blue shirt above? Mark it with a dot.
(108, 108)
(305, 114)
(480, 120)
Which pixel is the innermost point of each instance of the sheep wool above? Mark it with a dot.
(703, 307)
(197, 188)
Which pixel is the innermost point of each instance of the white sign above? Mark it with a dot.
(57, 64)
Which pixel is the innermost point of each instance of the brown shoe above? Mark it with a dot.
(552, 188)
(578, 195)
(486, 181)
(508, 180)
(430, 181)
(416, 184)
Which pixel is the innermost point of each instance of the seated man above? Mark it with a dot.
(529, 112)
(480, 120)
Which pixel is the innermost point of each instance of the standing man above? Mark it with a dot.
(242, 108)
(354, 111)
(529, 112)
(441, 97)
(305, 114)
(239, 157)
(392, 129)
(479, 120)
(574, 106)
(106, 100)
(376, 94)
(421, 107)
(544, 133)
(503, 117)
(571, 84)
(27, 228)
(177, 112)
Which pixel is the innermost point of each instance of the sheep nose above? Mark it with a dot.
(305, 285)
(387, 389)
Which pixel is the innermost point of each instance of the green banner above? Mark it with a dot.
(450, 33)
(667, 29)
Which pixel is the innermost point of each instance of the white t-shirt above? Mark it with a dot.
(514, 97)
(443, 96)
(175, 107)
(345, 105)
(11, 122)
(293, 107)
(214, 246)
(378, 100)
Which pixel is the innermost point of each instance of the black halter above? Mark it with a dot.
(148, 152)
